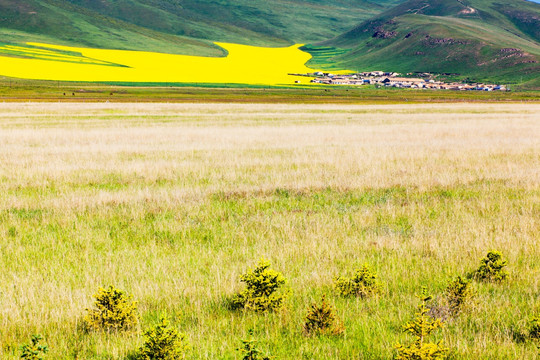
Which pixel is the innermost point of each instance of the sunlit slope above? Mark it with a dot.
(244, 65)
(187, 27)
(482, 40)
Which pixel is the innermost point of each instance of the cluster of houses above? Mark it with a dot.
(392, 79)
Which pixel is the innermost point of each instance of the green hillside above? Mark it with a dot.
(59, 22)
(482, 40)
(180, 26)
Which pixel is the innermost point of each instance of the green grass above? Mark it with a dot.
(163, 249)
(322, 56)
(57, 22)
(24, 90)
(189, 27)
(33, 52)
(174, 211)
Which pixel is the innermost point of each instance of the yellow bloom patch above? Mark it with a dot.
(243, 65)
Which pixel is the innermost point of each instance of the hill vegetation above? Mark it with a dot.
(477, 39)
(188, 27)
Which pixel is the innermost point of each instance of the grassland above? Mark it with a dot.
(20, 90)
(172, 202)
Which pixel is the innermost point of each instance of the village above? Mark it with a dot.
(393, 79)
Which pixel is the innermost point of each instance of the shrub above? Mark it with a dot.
(421, 328)
(363, 284)
(322, 320)
(34, 351)
(534, 328)
(261, 292)
(458, 295)
(491, 268)
(249, 350)
(113, 310)
(163, 342)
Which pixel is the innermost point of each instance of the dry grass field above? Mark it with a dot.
(172, 202)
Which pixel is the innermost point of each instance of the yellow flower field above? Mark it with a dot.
(243, 65)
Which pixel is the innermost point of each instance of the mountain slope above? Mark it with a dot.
(59, 22)
(484, 40)
(180, 26)
(292, 21)
(479, 39)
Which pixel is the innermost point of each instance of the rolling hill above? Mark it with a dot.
(477, 39)
(180, 26)
(482, 40)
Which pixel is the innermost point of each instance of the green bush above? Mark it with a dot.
(534, 328)
(250, 351)
(421, 328)
(458, 295)
(113, 310)
(363, 284)
(322, 320)
(491, 268)
(163, 342)
(261, 292)
(34, 350)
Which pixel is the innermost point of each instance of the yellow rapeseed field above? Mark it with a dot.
(243, 65)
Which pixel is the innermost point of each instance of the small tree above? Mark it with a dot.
(113, 310)
(250, 351)
(421, 328)
(491, 268)
(322, 320)
(163, 342)
(363, 284)
(34, 350)
(261, 292)
(458, 295)
(534, 328)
